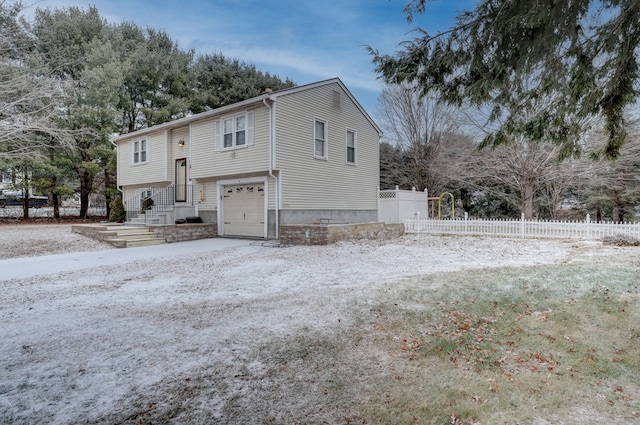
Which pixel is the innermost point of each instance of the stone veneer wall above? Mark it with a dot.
(324, 234)
(185, 232)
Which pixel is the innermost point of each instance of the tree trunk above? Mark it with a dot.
(25, 195)
(617, 214)
(25, 208)
(86, 186)
(528, 191)
(55, 199)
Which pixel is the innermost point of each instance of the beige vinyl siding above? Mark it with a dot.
(270, 189)
(205, 195)
(203, 148)
(153, 171)
(208, 162)
(310, 183)
(175, 151)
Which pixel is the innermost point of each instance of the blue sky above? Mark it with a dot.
(305, 40)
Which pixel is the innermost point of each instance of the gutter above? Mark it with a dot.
(272, 142)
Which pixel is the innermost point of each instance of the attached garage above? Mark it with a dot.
(243, 209)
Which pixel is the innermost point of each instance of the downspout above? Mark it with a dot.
(272, 141)
(166, 155)
(189, 181)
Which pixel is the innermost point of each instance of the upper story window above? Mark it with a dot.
(351, 147)
(139, 151)
(320, 139)
(235, 131)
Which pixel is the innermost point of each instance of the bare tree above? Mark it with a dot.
(522, 162)
(29, 95)
(613, 187)
(421, 127)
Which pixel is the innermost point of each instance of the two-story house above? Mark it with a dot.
(299, 155)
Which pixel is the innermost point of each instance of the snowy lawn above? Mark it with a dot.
(215, 335)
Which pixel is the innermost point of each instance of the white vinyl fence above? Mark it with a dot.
(395, 205)
(523, 228)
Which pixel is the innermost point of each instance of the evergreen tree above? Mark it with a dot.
(117, 214)
(156, 78)
(586, 66)
(77, 47)
(222, 81)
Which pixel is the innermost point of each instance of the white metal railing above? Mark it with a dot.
(161, 198)
(523, 228)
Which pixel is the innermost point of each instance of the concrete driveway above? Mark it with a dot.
(17, 268)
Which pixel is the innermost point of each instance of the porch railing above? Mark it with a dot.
(157, 200)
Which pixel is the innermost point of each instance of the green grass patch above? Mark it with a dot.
(515, 345)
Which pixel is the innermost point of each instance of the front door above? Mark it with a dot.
(181, 180)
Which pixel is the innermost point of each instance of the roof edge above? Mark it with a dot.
(258, 99)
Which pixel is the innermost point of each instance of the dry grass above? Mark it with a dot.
(537, 345)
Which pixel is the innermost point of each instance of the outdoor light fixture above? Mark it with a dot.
(181, 142)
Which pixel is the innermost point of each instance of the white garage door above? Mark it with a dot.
(244, 210)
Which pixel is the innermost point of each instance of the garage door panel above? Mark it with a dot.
(244, 210)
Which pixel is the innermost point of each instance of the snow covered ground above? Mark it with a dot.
(92, 334)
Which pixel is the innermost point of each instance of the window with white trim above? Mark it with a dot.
(235, 131)
(6, 177)
(320, 139)
(139, 151)
(351, 146)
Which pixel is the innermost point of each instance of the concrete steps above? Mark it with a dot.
(118, 235)
(126, 237)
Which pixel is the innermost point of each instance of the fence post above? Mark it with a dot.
(522, 225)
(413, 200)
(588, 222)
(397, 220)
(426, 197)
(466, 222)
(378, 192)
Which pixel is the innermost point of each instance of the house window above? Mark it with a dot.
(6, 177)
(351, 147)
(235, 131)
(320, 139)
(139, 151)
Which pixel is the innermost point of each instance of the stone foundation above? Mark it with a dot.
(185, 232)
(325, 234)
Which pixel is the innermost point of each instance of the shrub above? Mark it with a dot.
(117, 214)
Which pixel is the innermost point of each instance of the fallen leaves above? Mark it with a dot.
(410, 343)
